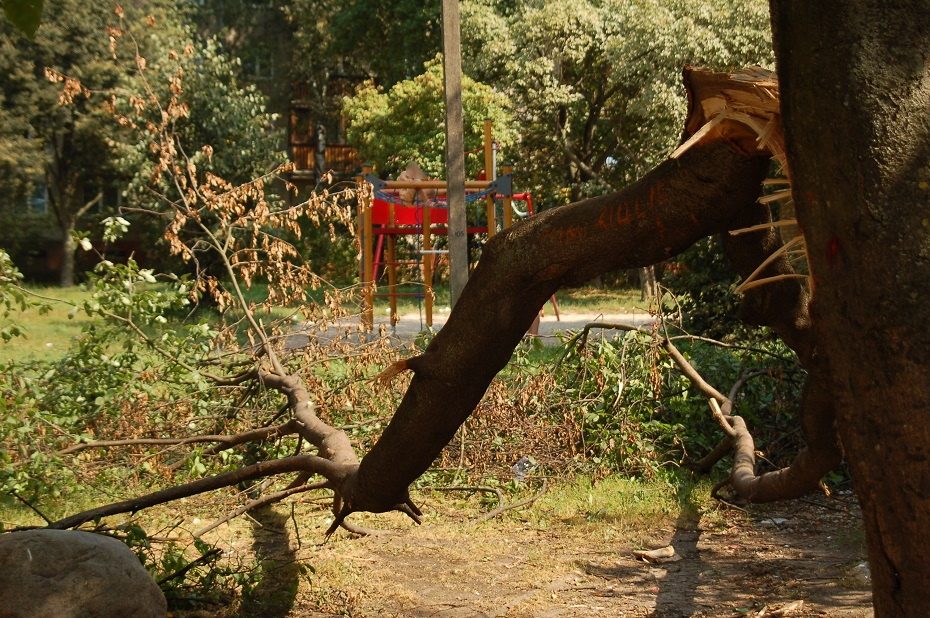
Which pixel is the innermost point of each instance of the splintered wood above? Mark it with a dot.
(742, 108)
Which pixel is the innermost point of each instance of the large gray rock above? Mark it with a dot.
(70, 574)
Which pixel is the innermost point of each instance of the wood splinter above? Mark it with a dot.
(397, 367)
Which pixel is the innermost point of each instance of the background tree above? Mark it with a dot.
(389, 40)
(75, 152)
(406, 122)
(227, 117)
(68, 144)
(24, 14)
(597, 83)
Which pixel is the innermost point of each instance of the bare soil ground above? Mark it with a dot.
(796, 559)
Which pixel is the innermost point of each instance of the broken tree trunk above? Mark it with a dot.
(711, 183)
(679, 202)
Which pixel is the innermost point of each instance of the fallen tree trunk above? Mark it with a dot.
(677, 203)
(710, 184)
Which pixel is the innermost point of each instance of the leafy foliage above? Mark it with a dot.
(24, 14)
(388, 39)
(705, 287)
(106, 378)
(11, 298)
(223, 124)
(598, 84)
(56, 121)
(619, 405)
(407, 123)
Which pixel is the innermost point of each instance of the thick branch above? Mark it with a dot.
(671, 207)
(332, 443)
(333, 472)
(225, 441)
(821, 454)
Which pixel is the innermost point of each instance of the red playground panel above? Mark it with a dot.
(406, 215)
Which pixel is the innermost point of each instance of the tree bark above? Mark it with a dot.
(649, 287)
(856, 111)
(677, 203)
(68, 249)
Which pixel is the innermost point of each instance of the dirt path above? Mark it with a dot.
(797, 559)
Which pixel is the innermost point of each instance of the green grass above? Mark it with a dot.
(589, 299)
(628, 504)
(48, 335)
(585, 299)
(614, 499)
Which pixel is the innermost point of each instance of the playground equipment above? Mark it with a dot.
(386, 211)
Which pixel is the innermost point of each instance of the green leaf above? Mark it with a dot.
(24, 14)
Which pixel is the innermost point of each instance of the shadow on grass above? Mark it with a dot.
(678, 588)
(673, 585)
(274, 594)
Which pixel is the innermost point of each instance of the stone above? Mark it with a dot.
(72, 574)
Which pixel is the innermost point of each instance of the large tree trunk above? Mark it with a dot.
(856, 110)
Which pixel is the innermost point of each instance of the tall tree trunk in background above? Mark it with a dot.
(68, 220)
(648, 285)
(319, 153)
(855, 84)
(68, 249)
(61, 198)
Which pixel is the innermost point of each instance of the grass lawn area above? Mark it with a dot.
(47, 335)
(587, 299)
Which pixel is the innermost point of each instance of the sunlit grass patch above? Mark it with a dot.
(627, 503)
(49, 334)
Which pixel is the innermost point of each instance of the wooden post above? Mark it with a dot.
(507, 168)
(455, 148)
(366, 241)
(392, 276)
(426, 259)
(392, 264)
(489, 175)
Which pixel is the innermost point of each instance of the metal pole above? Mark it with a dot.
(455, 147)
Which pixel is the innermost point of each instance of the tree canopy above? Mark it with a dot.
(594, 87)
(64, 142)
(407, 123)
